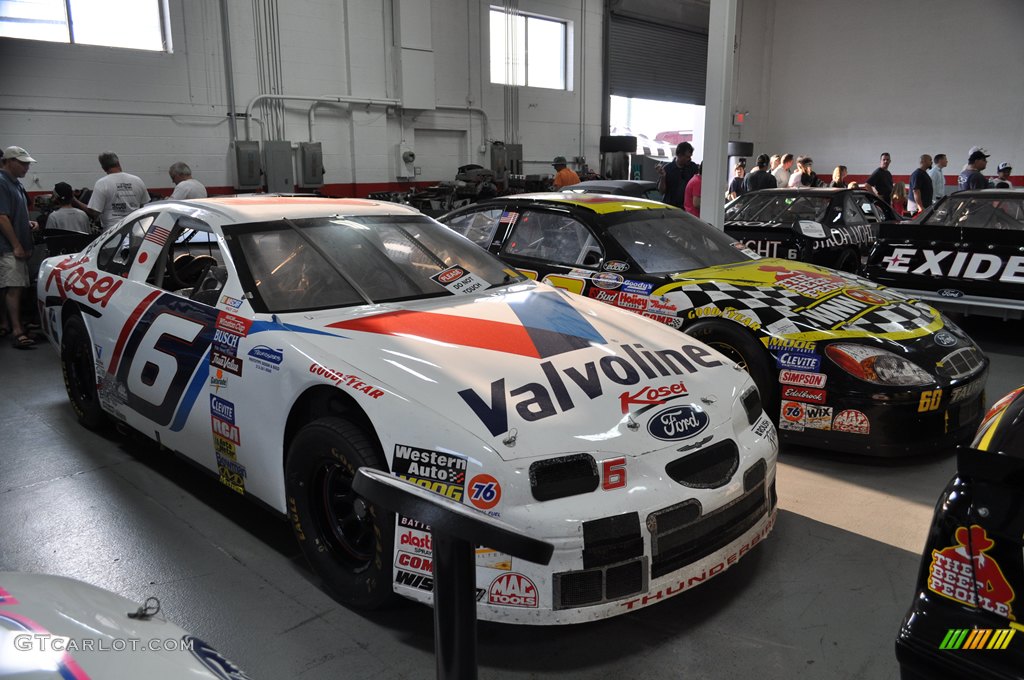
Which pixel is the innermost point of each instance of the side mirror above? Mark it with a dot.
(810, 229)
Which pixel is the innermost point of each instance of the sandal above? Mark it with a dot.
(23, 342)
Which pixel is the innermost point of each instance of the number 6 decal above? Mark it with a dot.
(162, 354)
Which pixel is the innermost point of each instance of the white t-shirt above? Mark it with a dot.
(69, 219)
(782, 176)
(188, 188)
(116, 195)
(938, 183)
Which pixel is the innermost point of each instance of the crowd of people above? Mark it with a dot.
(115, 195)
(679, 180)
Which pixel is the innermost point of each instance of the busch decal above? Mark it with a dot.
(964, 573)
(512, 590)
(678, 423)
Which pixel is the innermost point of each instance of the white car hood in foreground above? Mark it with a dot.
(560, 372)
(53, 627)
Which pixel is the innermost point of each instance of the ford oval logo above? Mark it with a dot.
(945, 338)
(678, 422)
(951, 293)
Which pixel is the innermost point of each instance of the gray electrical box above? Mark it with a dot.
(311, 164)
(506, 159)
(279, 167)
(247, 165)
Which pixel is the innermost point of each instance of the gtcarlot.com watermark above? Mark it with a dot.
(46, 643)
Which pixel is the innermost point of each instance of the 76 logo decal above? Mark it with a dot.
(484, 492)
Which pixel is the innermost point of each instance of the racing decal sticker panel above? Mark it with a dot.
(965, 573)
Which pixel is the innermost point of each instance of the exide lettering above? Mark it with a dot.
(957, 265)
(538, 400)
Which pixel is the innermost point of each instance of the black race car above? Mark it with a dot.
(638, 188)
(840, 363)
(965, 253)
(963, 622)
(831, 227)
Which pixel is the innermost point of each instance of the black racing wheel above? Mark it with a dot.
(741, 346)
(79, 371)
(347, 540)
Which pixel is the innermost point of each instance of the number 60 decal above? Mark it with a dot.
(162, 353)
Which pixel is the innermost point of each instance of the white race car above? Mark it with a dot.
(55, 628)
(284, 342)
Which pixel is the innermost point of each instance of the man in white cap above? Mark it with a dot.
(15, 241)
(1002, 178)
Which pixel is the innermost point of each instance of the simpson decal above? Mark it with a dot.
(442, 473)
(965, 573)
(852, 421)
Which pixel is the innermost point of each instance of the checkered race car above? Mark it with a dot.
(282, 343)
(841, 363)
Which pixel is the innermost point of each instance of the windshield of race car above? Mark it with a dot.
(673, 241)
(327, 262)
(978, 213)
(770, 207)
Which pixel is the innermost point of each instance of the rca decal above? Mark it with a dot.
(442, 473)
(964, 573)
(225, 438)
(852, 421)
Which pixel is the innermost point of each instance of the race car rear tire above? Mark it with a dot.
(346, 539)
(743, 348)
(847, 261)
(79, 371)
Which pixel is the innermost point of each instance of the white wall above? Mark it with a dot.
(67, 103)
(843, 81)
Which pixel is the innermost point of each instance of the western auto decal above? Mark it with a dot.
(678, 423)
(442, 473)
(802, 378)
(513, 590)
(956, 265)
(965, 574)
(852, 421)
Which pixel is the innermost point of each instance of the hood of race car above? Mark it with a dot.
(786, 298)
(53, 627)
(559, 372)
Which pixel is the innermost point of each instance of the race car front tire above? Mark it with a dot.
(743, 348)
(346, 539)
(79, 371)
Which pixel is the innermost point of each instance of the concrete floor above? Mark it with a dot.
(821, 598)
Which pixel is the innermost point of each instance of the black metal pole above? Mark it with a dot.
(454, 607)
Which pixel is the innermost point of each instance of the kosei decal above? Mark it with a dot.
(484, 492)
(442, 473)
(852, 421)
(652, 396)
(678, 422)
(964, 573)
(95, 287)
(513, 590)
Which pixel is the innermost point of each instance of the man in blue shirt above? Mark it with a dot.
(880, 180)
(759, 177)
(921, 189)
(674, 175)
(971, 177)
(15, 240)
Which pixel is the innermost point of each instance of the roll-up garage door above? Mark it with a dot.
(654, 61)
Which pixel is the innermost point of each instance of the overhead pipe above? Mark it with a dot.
(341, 99)
(229, 75)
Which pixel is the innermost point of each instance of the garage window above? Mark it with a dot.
(135, 24)
(529, 50)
